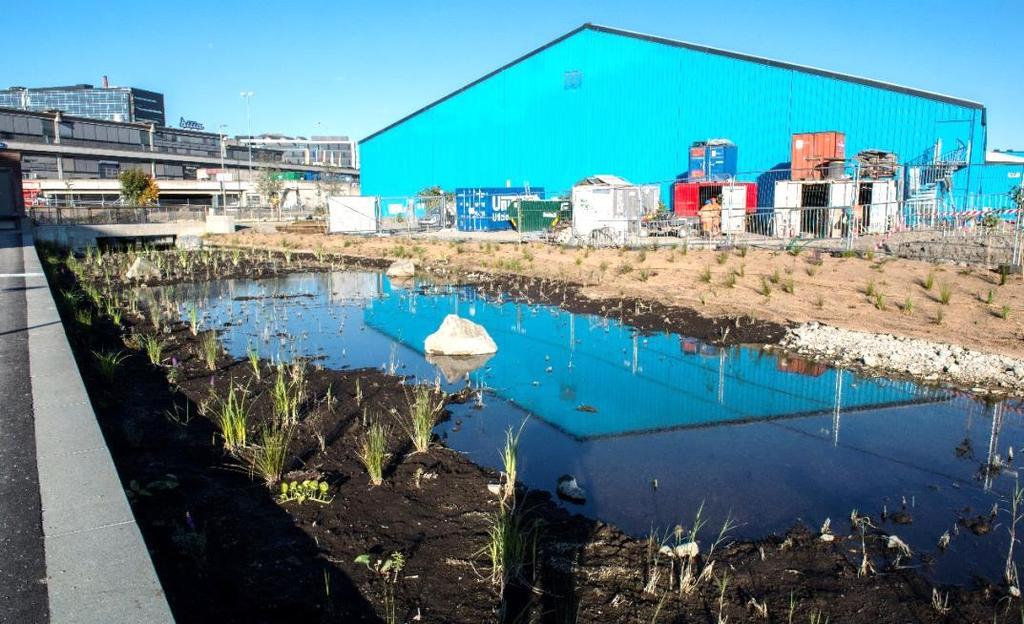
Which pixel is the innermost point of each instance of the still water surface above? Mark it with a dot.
(770, 440)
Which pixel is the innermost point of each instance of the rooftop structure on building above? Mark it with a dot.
(127, 104)
(333, 151)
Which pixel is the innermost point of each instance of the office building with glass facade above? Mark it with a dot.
(126, 104)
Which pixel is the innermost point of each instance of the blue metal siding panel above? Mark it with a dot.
(637, 108)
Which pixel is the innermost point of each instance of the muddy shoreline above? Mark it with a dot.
(227, 551)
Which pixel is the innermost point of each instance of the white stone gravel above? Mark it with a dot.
(920, 359)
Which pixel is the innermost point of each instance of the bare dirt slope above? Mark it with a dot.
(874, 294)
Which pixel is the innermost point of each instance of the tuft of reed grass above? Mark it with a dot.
(879, 301)
(423, 412)
(1004, 312)
(766, 287)
(508, 544)
(253, 355)
(945, 294)
(705, 275)
(373, 451)
(929, 281)
(789, 286)
(510, 462)
(267, 457)
(209, 347)
(231, 415)
(108, 363)
(870, 289)
(154, 348)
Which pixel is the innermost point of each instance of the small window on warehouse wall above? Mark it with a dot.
(573, 79)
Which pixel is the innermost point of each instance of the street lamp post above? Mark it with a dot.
(247, 95)
(220, 176)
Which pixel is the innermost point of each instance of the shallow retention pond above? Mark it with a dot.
(770, 440)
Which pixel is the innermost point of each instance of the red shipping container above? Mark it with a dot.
(688, 197)
(811, 152)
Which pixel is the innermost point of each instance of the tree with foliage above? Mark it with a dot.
(269, 183)
(138, 188)
(436, 201)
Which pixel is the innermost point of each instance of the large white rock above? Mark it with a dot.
(142, 269)
(402, 268)
(458, 336)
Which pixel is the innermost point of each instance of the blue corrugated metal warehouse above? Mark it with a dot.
(603, 100)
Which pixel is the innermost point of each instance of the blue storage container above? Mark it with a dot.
(712, 160)
(486, 209)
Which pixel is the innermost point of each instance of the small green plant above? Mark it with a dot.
(812, 269)
(508, 543)
(775, 276)
(730, 280)
(789, 286)
(1004, 312)
(231, 415)
(641, 256)
(766, 287)
(643, 275)
(879, 301)
(908, 306)
(624, 268)
(870, 289)
(929, 281)
(154, 348)
(945, 293)
(705, 275)
(267, 457)
(373, 451)
(193, 319)
(253, 355)
(388, 570)
(990, 297)
(109, 362)
(1004, 273)
(819, 302)
(209, 347)
(939, 316)
(308, 490)
(742, 251)
(83, 316)
(285, 398)
(423, 410)
(510, 461)
(722, 257)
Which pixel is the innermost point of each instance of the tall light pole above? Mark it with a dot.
(220, 176)
(247, 95)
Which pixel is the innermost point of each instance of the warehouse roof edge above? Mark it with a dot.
(698, 48)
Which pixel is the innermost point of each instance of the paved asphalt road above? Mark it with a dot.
(23, 592)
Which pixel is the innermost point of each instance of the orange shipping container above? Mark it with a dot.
(811, 151)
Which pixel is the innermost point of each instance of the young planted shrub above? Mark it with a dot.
(154, 348)
(108, 363)
(210, 349)
(267, 457)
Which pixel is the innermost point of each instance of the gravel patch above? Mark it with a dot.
(908, 357)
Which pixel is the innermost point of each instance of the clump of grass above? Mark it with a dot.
(766, 287)
(879, 301)
(1004, 273)
(108, 363)
(990, 297)
(231, 415)
(193, 319)
(939, 317)
(254, 361)
(423, 412)
(811, 269)
(819, 302)
(210, 349)
(508, 542)
(775, 276)
(789, 286)
(742, 251)
(641, 256)
(154, 348)
(373, 451)
(929, 281)
(945, 293)
(267, 457)
(730, 280)
(1004, 312)
(908, 306)
(705, 275)
(870, 289)
(722, 257)
(510, 461)
(624, 268)
(643, 275)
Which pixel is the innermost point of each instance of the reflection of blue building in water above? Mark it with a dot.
(552, 363)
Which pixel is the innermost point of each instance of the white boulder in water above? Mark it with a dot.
(402, 268)
(570, 490)
(459, 336)
(142, 269)
(456, 368)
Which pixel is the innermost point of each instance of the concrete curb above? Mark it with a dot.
(97, 565)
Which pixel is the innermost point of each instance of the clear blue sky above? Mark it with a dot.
(355, 66)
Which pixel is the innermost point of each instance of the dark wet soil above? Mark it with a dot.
(227, 551)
